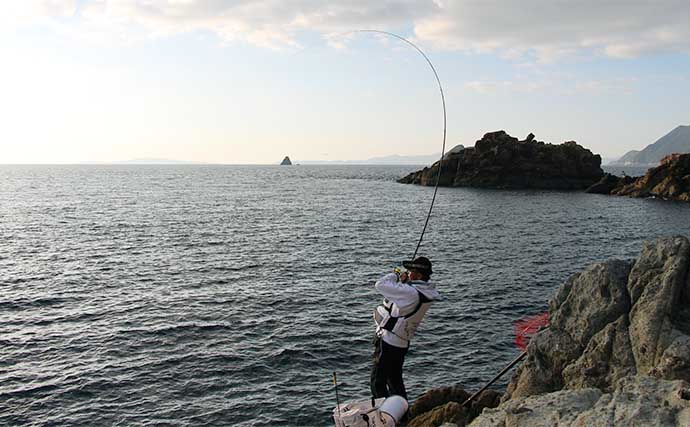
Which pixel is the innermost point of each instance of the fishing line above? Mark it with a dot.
(443, 148)
(443, 102)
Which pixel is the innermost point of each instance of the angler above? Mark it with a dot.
(407, 298)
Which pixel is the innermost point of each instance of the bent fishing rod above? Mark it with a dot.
(443, 104)
(443, 146)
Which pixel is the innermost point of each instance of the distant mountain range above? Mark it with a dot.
(395, 159)
(676, 141)
(383, 160)
(146, 161)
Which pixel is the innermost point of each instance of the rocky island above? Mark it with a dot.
(499, 160)
(617, 353)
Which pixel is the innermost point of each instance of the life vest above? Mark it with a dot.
(404, 327)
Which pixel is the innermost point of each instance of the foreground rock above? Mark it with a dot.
(636, 401)
(617, 352)
(500, 161)
(444, 406)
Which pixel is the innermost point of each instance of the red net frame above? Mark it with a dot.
(526, 327)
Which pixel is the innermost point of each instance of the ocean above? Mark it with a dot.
(228, 295)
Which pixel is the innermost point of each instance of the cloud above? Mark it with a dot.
(551, 29)
(18, 13)
(545, 30)
(506, 86)
(268, 23)
(565, 84)
(606, 86)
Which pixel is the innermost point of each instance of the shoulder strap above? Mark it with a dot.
(388, 306)
(422, 299)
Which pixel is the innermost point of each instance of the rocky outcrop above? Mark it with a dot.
(617, 351)
(669, 181)
(286, 162)
(612, 320)
(500, 161)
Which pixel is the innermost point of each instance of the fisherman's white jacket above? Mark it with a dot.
(403, 308)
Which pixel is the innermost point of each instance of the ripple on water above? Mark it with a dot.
(229, 295)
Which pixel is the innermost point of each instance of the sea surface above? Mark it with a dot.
(228, 295)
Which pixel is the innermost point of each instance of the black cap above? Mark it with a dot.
(420, 264)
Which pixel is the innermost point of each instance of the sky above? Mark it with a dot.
(250, 81)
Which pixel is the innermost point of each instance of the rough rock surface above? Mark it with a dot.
(444, 406)
(581, 308)
(590, 300)
(659, 287)
(636, 401)
(612, 320)
(437, 397)
(451, 412)
(500, 161)
(553, 409)
(607, 357)
(670, 181)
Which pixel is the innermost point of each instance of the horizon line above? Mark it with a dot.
(310, 163)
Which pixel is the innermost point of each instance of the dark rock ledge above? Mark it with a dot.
(617, 353)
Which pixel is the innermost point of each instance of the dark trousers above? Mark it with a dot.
(386, 372)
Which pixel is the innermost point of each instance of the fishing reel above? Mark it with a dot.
(399, 272)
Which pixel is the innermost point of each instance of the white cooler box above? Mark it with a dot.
(385, 413)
